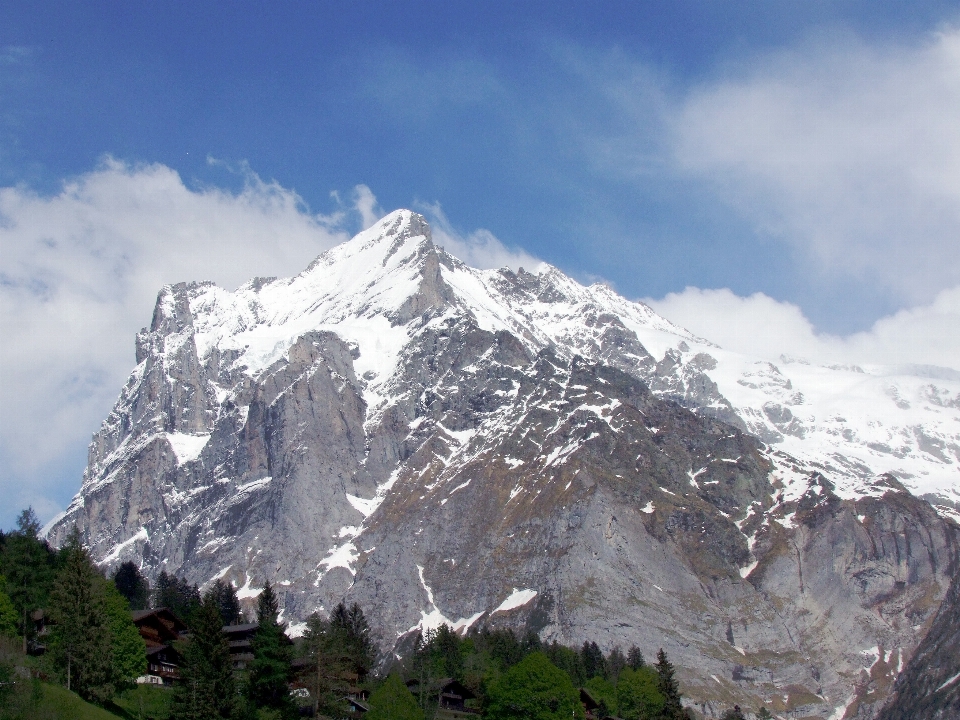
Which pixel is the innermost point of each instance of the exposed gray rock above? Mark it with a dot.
(442, 445)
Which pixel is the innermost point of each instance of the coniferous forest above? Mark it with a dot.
(69, 635)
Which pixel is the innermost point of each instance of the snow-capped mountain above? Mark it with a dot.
(444, 444)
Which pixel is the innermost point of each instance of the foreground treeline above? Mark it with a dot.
(513, 677)
(63, 621)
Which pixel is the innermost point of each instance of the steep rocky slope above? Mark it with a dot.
(929, 687)
(444, 444)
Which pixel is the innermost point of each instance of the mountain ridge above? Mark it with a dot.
(446, 444)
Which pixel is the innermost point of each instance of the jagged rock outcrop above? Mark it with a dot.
(442, 444)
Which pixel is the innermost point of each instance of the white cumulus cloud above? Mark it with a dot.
(758, 325)
(847, 151)
(480, 248)
(79, 276)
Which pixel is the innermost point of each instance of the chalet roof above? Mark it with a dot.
(589, 702)
(357, 705)
(445, 686)
(241, 629)
(164, 615)
(169, 649)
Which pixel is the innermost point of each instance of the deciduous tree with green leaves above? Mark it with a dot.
(637, 695)
(128, 651)
(393, 701)
(533, 689)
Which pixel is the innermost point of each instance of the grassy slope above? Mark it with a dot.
(144, 702)
(62, 704)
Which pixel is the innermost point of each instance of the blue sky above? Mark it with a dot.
(806, 151)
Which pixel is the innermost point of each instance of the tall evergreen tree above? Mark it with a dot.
(635, 658)
(132, 585)
(447, 649)
(176, 594)
(225, 595)
(8, 613)
(81, 638)
(29, 566)
(616, 661)
(270, 668)
(206, 690)
(325, 667)
(669, 688)
(593, 662)
(351, 627)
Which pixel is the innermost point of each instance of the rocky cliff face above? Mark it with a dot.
(443, 444)
(929, 687)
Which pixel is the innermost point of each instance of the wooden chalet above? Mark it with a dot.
(240, 640)
(160, 628)
(345, 676)
(591, 708)
(451, 697)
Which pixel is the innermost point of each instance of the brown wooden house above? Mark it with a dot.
(160, 628)
(451, 697)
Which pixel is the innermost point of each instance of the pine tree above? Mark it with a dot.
(206, 690)
(593, 662)
(615, 663)
(132, 585)
(635, 658)
(323, 675)
(270, 669)
(735, 714)
(668, 686)
(225, 595)
(177, 595)
(81, 638)
(447, 647)
(29, 566)
(353, 631)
